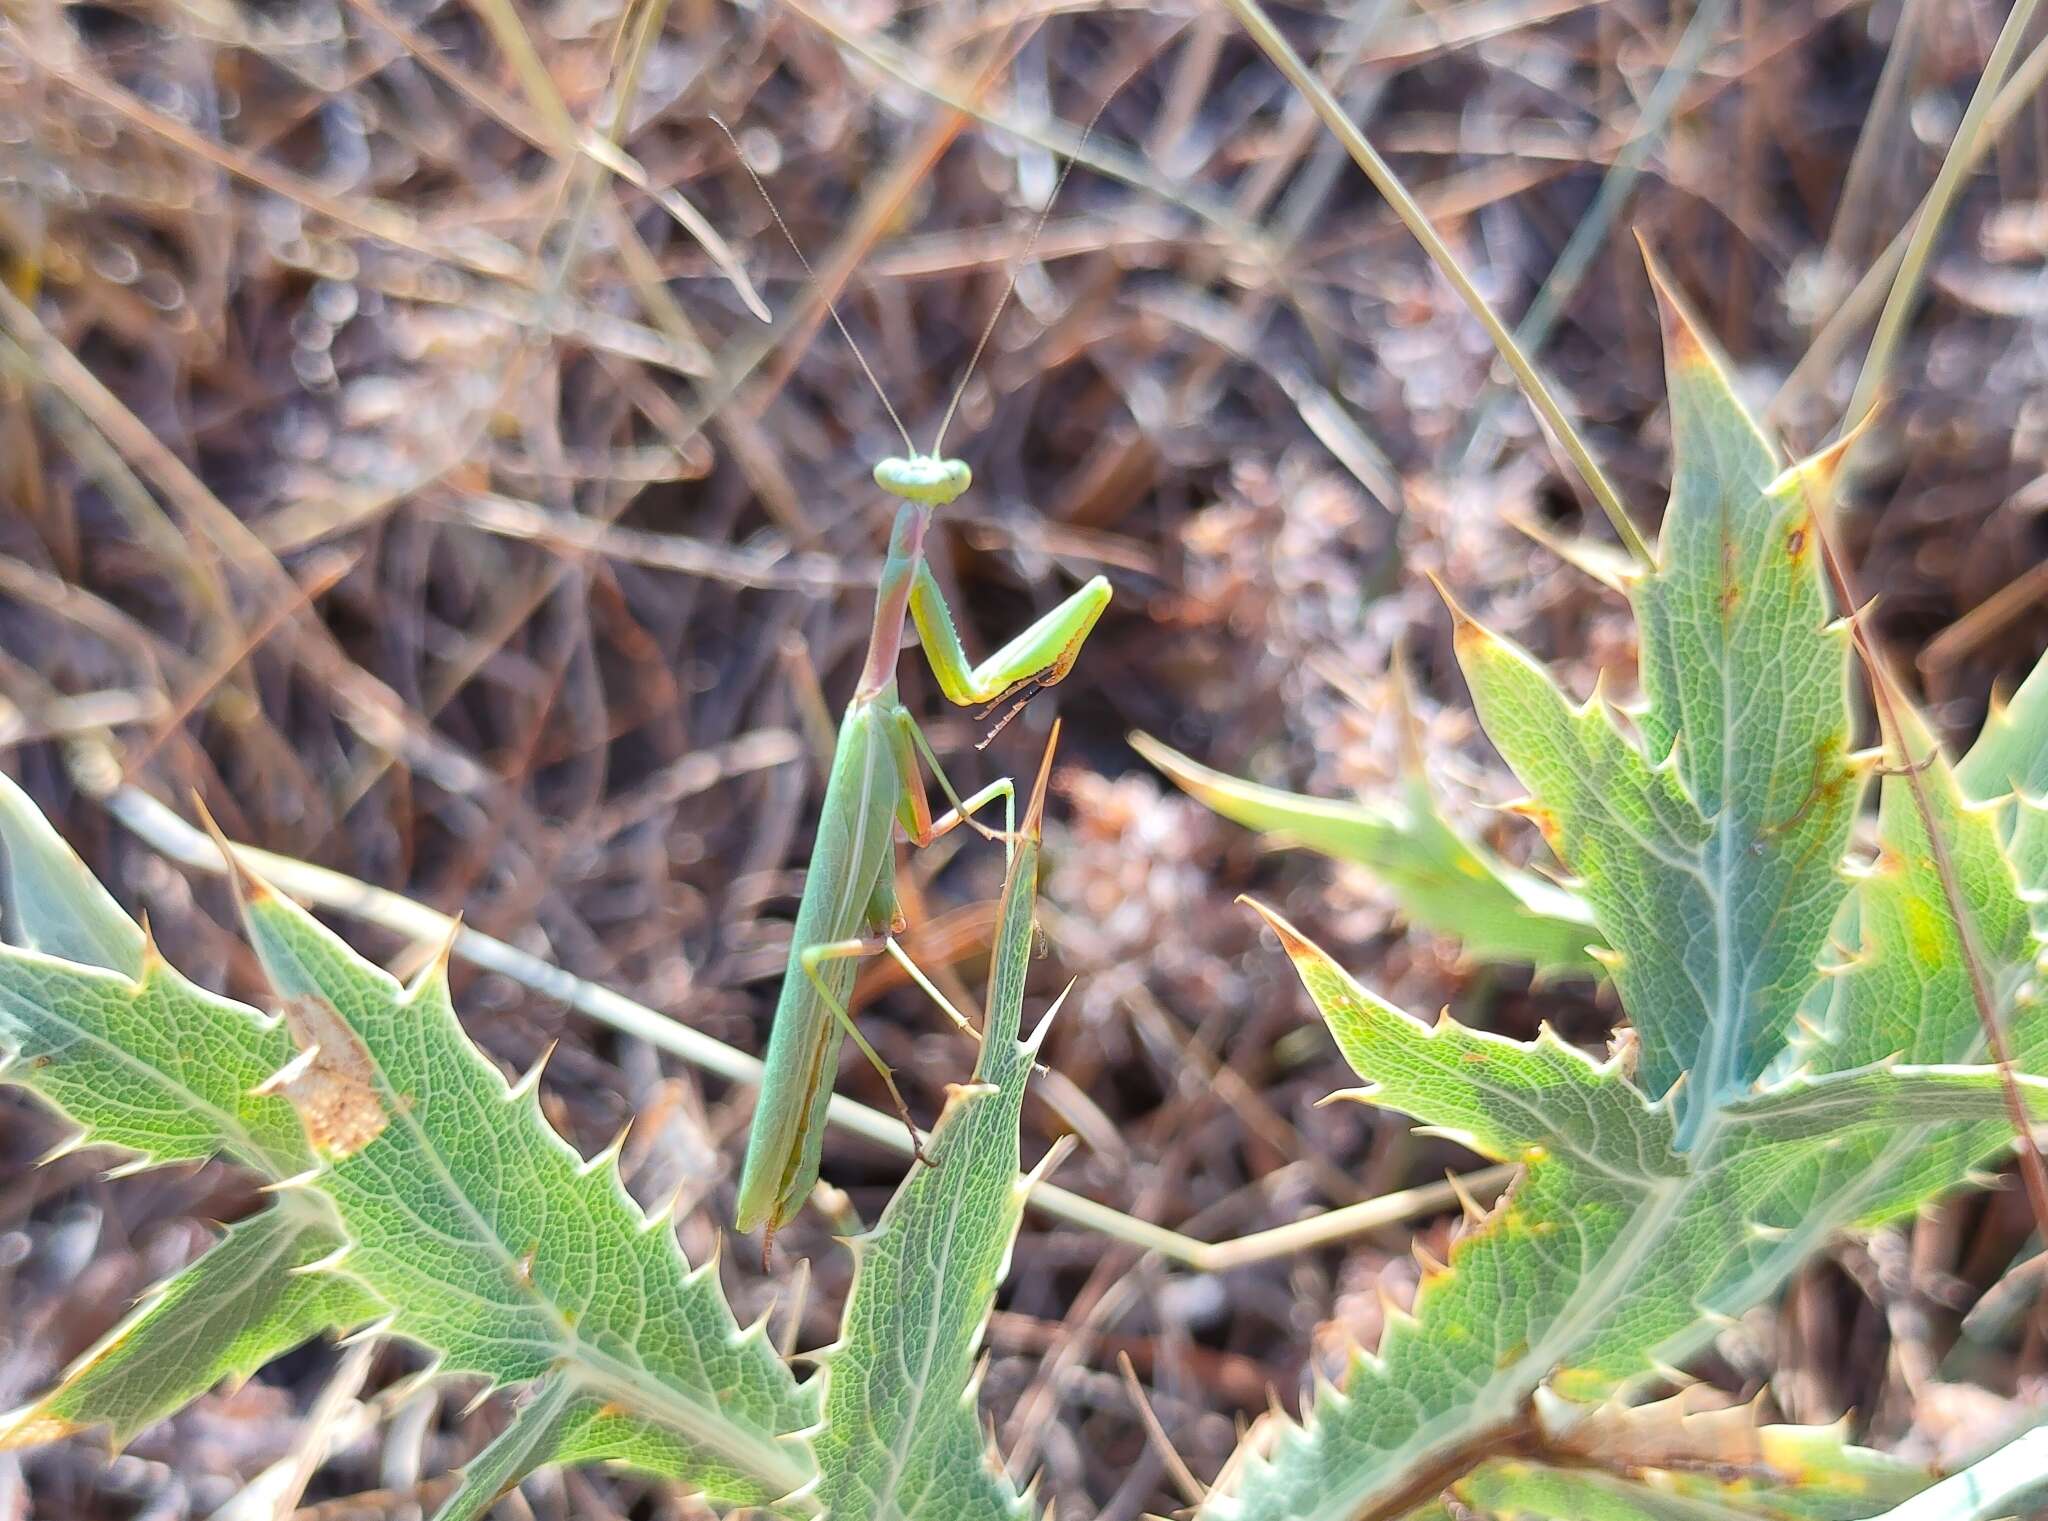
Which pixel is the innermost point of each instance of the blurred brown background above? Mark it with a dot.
(423, 496)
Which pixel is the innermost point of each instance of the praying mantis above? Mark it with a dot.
(849, 908)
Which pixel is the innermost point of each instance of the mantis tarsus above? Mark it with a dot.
(849, 907)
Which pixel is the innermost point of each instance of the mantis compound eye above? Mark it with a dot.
(924, 478)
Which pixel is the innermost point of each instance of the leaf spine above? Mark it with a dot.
(369, 1331)
(1036, 1038)
(288, 1074)
(608, 1156)
(1474, 1214)
(478, 1400)
(328, 1263)
(64, 1147)
(663, 1215)
(529, 1080)
(293, 1184)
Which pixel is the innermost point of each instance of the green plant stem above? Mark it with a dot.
(1891, 322)
(171, 836)
(1856, 201)
(1591, 232)
(1255, 21)
(2007, 1483)
(1834, 333)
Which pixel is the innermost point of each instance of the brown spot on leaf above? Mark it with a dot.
(334, 1084)
(1795, 543)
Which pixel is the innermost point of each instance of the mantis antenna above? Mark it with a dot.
(1016, 271)
(797, 249)
(994, 316)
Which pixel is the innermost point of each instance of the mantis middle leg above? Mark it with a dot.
(907, 740)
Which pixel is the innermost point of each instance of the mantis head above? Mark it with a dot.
(924, 478)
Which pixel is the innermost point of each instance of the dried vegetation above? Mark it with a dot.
(384, 459)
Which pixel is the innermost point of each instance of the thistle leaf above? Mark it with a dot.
(150, 1064)
(2009, 765)
(1711, 853)
(1802, 1098)
(532, 1440)
(142, 1060)
(244, 1302)
(901, 1439)
(1842, 1103)
(2011, 755)
(557, 1424)
(1500, 1097)
(54, 904)
(499, 1249)
(1442, 881)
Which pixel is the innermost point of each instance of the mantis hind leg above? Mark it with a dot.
(814, 958)
(930, 989)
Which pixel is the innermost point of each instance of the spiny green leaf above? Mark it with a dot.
(94, 1021)
(1498, 1096)
(1712, 857)
(901, 1439)
(1899, 975)
(557, 1424)
(1841, 1103)
(54, 904)
(1711, 853)
(153, 1064)
(496, 1245)
(142, 1060)
(1747, 694)
(1899, 983)
(2011, 755)
(232, 1310)
(532, 1440)
(2010, 761)
(1442, 882)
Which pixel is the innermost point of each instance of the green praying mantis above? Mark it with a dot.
(849, 908)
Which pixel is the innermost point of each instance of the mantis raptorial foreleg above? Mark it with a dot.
(1039, 656)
